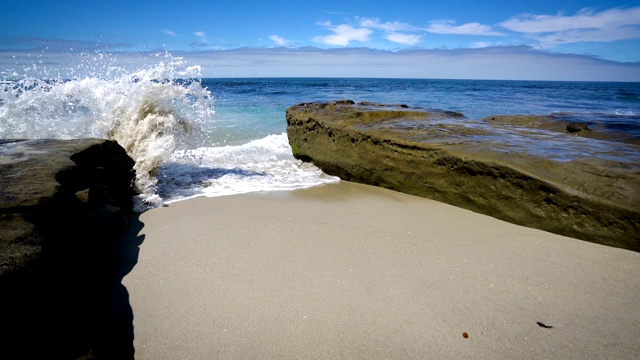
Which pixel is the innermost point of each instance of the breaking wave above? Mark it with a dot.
(151, 111)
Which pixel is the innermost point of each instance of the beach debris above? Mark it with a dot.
(544, 326)
(465, 335)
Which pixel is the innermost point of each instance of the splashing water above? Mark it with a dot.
(260, 165)
(148, 111)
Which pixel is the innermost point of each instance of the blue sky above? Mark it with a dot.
(554, 40)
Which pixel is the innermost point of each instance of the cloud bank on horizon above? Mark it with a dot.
(485, 42)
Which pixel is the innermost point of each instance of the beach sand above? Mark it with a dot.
(349, 271)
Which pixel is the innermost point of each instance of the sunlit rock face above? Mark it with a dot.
(543, 177)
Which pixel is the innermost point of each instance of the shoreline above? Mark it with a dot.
(353, 271)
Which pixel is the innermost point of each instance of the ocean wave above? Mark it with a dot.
(264, 164)
(147, 111)
(625, 112)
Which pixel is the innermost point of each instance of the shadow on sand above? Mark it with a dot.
(113, 328)
(76, 306)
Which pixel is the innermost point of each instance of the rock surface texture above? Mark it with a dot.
(63, 206)
(551, 180)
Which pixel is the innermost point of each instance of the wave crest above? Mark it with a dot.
(150, 112)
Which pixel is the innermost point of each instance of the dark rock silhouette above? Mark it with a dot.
(65, 208)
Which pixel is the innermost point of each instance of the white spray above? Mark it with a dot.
(150, 112)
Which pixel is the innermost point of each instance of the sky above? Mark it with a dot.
(494, 39)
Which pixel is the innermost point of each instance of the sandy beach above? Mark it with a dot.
(349, 271)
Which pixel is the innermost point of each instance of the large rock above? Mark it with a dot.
(63, 188)
(63, 206)
(582, 188)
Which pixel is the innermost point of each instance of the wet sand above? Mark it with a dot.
(350, 271)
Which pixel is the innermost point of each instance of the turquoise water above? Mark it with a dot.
(260, 103)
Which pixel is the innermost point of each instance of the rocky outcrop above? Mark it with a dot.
(64, 188)
(586, 189)
(64, 205)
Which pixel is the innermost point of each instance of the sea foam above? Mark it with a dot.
(147, 111)
(264, 164)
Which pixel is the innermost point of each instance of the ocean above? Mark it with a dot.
(192, 136)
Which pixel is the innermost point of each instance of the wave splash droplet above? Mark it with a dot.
(151, 112)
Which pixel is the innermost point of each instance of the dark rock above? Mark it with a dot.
(367, 103)
(598, 126)
(64, 206)
(39, 180)
(586, 189)
(577, 127)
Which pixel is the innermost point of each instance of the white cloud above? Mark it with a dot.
(448, 27)
(398, 32)
(374, 23)
(280, 41)
(392, 30)
(169, 32)
(586, 25)
(480, 44)
(406, 39)
(342, 34)
(598, 35)
(584, 19)
(203, 40)
(497, 62)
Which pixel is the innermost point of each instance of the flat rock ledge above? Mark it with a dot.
(584, 188)
(63, 205)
